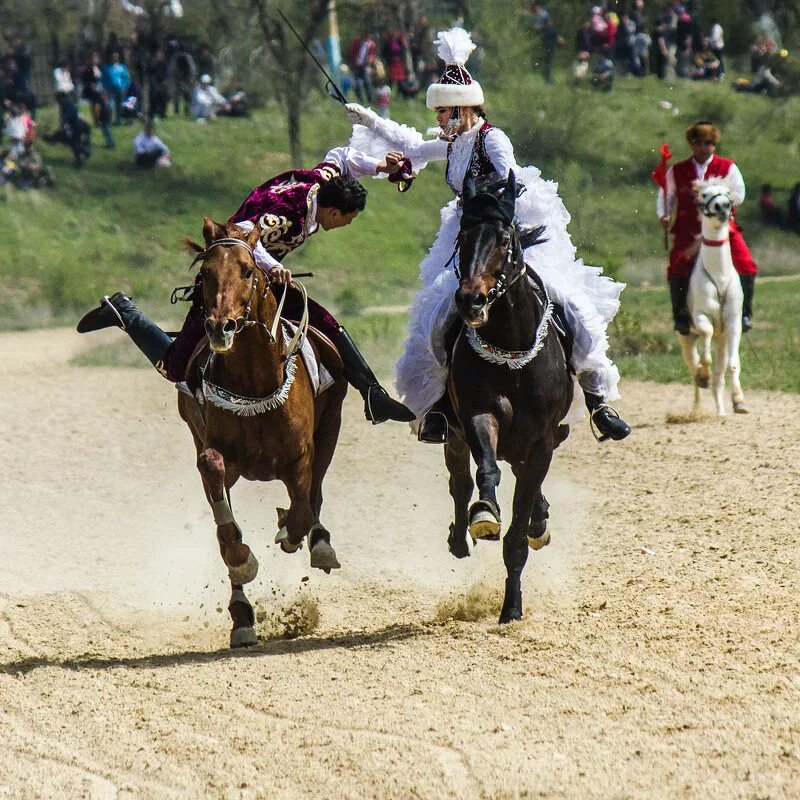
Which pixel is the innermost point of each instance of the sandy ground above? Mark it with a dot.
(658, 657)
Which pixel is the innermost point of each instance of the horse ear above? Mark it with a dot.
(212, 230)
(508, 201)
(468, 191)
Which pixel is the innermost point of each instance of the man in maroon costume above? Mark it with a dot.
(678, 196)
(287, 209)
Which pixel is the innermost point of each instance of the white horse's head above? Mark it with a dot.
(714, 199)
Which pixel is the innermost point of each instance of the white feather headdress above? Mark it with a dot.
(454, 46)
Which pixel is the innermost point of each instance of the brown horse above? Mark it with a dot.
(253, 413)
(509, 385)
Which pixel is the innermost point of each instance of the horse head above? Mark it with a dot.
(714, 198)
(230, 281)
(488, 246)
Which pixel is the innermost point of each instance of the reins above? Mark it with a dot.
(242, 405)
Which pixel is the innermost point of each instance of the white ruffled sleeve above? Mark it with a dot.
(385, 135)
(501, 152)
(353, 162)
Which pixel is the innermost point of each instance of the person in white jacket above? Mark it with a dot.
(468, 143)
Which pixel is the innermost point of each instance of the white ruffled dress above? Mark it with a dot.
(590, 299)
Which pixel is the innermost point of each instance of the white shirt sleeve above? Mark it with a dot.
(353, 162)
(410, 142)
(665, 209)
(262, 257)
(501, 152)
(736, 181)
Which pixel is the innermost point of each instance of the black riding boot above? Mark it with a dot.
(608, 422)
(433, 427)
(749, 288)
(678, 292)
(378, 406)
(119, 311)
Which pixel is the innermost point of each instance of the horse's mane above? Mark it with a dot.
(699, 185)
(486, 206)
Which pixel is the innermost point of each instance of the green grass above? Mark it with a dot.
(110, 226)
(645, 347)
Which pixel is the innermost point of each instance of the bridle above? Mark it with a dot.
(503, 283)
(243, 320)
(705, 207)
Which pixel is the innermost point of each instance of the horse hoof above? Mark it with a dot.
(538, 542)
(510, 615)
(740, 408)
(323, 556)
(484, 522)
(244, 573)
(243, 637)
(701, 382)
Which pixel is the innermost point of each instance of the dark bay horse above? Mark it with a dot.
(260, 419)
(509, 385)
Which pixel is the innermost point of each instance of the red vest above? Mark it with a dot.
(687, 224)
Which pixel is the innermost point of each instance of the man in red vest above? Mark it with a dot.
(678, 199)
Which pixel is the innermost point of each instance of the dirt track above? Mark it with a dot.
(659, 655)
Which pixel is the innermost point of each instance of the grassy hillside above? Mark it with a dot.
(111, 226)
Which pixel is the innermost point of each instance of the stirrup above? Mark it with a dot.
(601, 437)
(437, 437)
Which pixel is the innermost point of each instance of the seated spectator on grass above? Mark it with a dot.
(207, 102)
(763, 82)
(769, 210)
(706, 65)
(15, 131)
(149, 150)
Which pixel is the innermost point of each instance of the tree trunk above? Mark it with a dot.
(293, 103)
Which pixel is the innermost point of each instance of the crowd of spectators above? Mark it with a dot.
(625, 38)
(109, 83)
(398, 61)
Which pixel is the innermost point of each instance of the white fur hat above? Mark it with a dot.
(456, 87)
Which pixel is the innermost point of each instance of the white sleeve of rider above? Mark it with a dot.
(353, 162)
(262, 257)
(736, 182)
(501, 152)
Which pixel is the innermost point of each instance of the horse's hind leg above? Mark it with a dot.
(720, 368)
(689, 349)
(484, 514)
(242, 564)
(528, 501)
(323, 556)
(456, 457)
(300, 519)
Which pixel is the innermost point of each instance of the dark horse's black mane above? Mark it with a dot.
(484, 201)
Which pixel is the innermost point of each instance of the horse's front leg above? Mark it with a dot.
(705, 329)
(242, 564)
(484, 514)
(456, 457)
(735, 370)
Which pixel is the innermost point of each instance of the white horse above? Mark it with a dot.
(715, 301)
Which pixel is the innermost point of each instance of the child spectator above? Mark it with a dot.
(207, 102)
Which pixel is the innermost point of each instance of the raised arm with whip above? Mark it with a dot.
(659, 176)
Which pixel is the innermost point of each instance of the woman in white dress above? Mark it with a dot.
(470, 144)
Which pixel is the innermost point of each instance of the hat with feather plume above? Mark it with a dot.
(456, 87)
